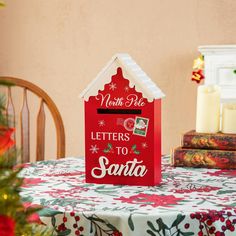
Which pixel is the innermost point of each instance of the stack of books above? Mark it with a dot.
(206, 150)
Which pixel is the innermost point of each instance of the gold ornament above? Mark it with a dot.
(198, 64)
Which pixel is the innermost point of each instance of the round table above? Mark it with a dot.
(188, 201)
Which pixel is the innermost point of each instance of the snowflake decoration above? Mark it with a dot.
(112, 86)
(94, 149)
(126, 89)
(144, 145)
(101, 123)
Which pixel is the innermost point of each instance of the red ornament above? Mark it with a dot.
(7, 226)
(5, 139)
(197, 76)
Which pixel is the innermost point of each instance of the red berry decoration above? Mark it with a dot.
(223, 227)
(209, 222)
(217, 233)
(198, 216)
(77, 232)
(201, 227)
(186, 226)
(212, 230)
(200, 233)
(231, 228)
(229, 213)
(59, 228)
(222, 219)
(228, 223)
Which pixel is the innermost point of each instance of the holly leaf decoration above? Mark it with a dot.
(91, 227)
(226, 191)
(91, 218)
(112, 227)
(106, 150)
(53, 221)
(134, 150)
(187, 233)
(150, 224)
(178, 220)
(150, 232)
(130, 222)
(47, 212)
(161, 225)
(64, 233)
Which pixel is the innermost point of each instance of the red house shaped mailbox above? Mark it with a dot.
(123, 125)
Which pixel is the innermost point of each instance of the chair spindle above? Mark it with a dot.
(41, 132)
(10, 113)
(25, 130)
(10, 110)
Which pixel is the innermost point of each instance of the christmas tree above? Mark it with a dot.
(15, 219)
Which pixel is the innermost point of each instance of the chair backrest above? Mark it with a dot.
(40, 126)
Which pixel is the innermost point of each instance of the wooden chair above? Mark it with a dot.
(41, 118)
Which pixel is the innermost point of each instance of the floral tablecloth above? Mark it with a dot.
(188, 201)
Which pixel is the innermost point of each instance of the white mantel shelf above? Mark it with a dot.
(217, 49)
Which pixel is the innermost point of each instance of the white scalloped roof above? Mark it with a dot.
(131, 71)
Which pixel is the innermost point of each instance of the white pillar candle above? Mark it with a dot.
(229, 118)
(208, 109)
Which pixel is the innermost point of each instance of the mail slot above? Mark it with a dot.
(118, 111)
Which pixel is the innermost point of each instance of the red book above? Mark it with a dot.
(185, 157)
(218, 141)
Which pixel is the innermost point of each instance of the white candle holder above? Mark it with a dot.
(208, 109)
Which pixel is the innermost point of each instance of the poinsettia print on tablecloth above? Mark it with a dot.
(188, 201)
